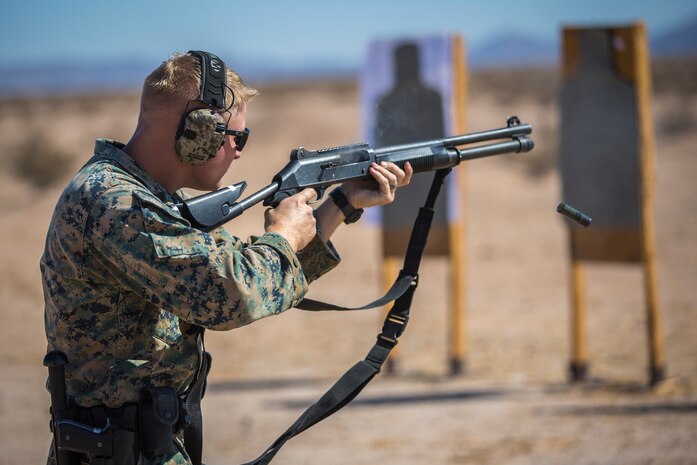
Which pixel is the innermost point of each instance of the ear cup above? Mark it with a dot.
(197, 141)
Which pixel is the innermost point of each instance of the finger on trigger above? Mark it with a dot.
(307, 194)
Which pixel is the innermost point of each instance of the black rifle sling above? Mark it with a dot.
(357, 377)
(398, 288)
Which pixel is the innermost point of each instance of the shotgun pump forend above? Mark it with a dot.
(319, 169)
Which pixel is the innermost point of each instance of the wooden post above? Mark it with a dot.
(579, 352)
(458, 262)
(647, 156)
(457, 325)
(657, 368)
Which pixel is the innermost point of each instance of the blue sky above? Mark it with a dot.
(289, 31)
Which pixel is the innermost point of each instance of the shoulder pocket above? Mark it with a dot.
(172, 235)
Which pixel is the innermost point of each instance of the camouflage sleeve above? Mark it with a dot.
(202, 278)
(318, 258)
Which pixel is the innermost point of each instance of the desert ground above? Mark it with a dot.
(514, 404)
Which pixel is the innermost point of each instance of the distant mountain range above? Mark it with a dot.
(514, 50)
(521, 50)
(508, 50)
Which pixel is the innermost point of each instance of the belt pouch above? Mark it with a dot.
(159, 411)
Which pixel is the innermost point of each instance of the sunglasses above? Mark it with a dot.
(240, 136)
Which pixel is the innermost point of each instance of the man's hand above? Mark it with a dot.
(364, 193)
(293, 219)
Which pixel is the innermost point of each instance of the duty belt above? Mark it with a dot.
(119, 436)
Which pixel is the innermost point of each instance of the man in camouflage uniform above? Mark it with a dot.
(128, 283)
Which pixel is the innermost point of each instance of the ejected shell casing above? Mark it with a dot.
(574, 215)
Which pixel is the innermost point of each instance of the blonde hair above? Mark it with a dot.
(178, 80)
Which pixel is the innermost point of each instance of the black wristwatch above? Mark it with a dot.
(351, 214)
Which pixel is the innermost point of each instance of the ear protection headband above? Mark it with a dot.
(199, 137)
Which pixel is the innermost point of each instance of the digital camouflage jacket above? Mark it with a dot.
(128, 282)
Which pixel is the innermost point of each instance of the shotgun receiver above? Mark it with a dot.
(320, 169)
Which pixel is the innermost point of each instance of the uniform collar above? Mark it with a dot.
(112, 150)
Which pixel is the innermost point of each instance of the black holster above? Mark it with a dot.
(96, 435)
(159, 412)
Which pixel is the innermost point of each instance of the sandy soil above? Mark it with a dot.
(514, 405)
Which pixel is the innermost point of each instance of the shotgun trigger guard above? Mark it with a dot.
(320, 193)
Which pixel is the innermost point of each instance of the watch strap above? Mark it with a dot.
(351, 215)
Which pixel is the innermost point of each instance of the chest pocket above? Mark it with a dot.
(171, 235)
